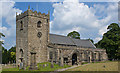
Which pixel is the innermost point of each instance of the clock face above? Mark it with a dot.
(39, 34)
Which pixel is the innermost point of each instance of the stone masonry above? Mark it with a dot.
(34, 44)
(30, 37)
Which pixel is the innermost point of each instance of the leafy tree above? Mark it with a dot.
(12, 49)
(74, 34)
(1, 35)
(5, 56)
(13, 57)
(12, 53)
(1, 42)
(111, 41)
(8, 55)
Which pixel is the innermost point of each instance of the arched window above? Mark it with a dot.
(21, 25)
(39, 24)
(21, 52)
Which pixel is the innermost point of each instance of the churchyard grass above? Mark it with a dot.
(98, 66)
(46, 66)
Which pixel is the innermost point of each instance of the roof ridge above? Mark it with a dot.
(60, 39)
(68, 37)
(92, 44)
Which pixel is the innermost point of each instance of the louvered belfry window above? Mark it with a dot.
(39, 24)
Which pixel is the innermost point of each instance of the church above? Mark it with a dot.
(34, 43)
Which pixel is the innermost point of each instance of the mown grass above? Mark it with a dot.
(49, 68)
(99, 66)
(40, 67)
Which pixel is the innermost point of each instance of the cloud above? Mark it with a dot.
(103, 30)
(8, 13)
(84, 0)
(89, 21)
(97, 39)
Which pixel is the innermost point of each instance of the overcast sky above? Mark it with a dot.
(90, 19)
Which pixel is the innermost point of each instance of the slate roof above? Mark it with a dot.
(64, 40)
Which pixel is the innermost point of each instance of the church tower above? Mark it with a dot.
(32, 35)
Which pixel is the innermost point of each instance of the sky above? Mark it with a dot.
(90, 19)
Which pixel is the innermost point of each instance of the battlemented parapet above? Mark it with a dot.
(29, 12)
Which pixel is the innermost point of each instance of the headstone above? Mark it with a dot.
(39, 65)
(21, 66)
(43, 65)
(80, 63)
(59, 63)
(9, 62)
(52, 65)
(18, 66)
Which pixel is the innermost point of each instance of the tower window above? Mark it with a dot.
(39, 24)
(21, 25)
(21, 52)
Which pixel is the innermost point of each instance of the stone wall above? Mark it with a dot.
(21, 39)
(83, 54)
(31, 37)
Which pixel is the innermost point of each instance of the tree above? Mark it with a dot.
(12, 49)
(5, 56)
(1, 42)
(1, 35)
(74, 34)
(13, 56)
(12, 53)
(111, 41)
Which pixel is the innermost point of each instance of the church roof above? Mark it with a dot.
(64, 40)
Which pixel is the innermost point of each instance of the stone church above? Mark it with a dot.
(34, 43)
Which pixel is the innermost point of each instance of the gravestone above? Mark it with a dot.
(39, 65)
(43, 65)
(21, 66)
(59, 63)
(52, 65)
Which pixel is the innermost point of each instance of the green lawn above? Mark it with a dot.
(40, 67)
(48, 68)
(100, 66)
